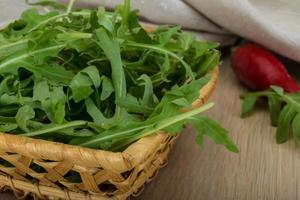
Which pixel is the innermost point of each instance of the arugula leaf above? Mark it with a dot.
(248, 103)
(285, 118)
(274, 107)
(107, 88)
(104, 21)
(148, 91)
(12, 63)
(8, 127)
(29, 20)
(82, 82)
(166, 34)
(53, 73)
(211, 60)
(24, 114)
(296, 128)
(112, 50)
(284, 111)
(96, 114)
(218, 134)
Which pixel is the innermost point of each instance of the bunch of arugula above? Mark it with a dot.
(284, 111)
(96, 78)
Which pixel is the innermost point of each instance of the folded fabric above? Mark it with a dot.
(272, 23)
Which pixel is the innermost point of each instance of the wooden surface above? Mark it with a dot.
(262, 169)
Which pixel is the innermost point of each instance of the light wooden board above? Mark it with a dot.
(262, 169)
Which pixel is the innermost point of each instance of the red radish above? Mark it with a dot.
(258, 69)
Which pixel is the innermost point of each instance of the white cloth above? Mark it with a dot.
(272, 23)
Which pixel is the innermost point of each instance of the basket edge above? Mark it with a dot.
(115, 161)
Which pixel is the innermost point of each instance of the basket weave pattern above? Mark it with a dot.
(42, 168)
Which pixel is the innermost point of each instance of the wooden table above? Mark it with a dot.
(262, 169)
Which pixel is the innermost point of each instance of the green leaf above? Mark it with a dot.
(77, 133)
(165, 68)
(285, 118)
(202, 47)
(165, 34)
(41, 91)
(24, 114)
(8, 127)
(111, 49)
(33, 18)
(55, 73)
(274, 107)
(8, 47)
(148, 91)
(82, 82)
(97, 114)
(107, 88)
(296, 128)
(182, 102)
(218, 134)
(7, 124)
(132, 105)
(93, 74)
(4, 84)
(104, 21)
(248, 104)
(163, 51)
(12, 63)
(58, 101)
(138, 32)
(212, 60)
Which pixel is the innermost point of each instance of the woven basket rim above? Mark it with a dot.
(115, 161)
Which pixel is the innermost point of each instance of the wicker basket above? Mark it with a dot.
(104, 175)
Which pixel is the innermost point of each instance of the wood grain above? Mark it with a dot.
(262, 169)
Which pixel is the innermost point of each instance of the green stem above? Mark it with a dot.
(104, 137)
(13, 44)
(70, 6)
(56, 128)
(26, 55)
(82, 13)
(164, 51)
(167, 122)
(291, 101)
(157, 127)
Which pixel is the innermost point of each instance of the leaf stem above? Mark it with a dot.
(157, 127)
(104, 137)
(78, 123)
(70, 6)
(291, 101)
(161, 50)
(26, 55)
(172, 120)
(83, 13)
(13, 44)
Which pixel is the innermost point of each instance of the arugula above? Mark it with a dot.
(284, 111)
(96, 78)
